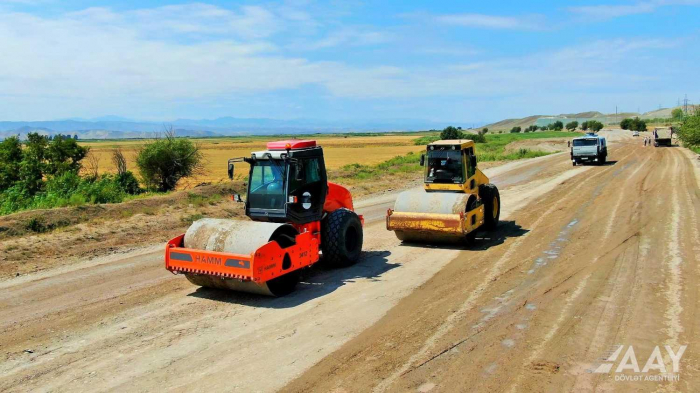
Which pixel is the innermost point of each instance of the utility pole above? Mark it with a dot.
(685, 104)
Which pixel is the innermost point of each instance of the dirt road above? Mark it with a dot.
(585, 258)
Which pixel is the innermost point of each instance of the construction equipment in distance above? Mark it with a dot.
(295, 215)
(663, 136)
(457, 198)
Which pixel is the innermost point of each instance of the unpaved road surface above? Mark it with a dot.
(585, 258)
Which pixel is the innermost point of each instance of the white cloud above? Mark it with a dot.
(99, 58)
(162, 54)
(527, 22)
(352, 36)
(601, 64)
(610, 11)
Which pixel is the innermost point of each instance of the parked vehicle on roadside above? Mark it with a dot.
(590, 148)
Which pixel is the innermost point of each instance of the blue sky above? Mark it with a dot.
(463, 62)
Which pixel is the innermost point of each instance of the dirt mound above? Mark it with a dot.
(41, 239)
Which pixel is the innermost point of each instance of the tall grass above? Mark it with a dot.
(399, 164)
(424, 140)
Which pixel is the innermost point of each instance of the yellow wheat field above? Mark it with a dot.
(338, 151)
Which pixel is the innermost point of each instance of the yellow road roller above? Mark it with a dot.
(456, 200)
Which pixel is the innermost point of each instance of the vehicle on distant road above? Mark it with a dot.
(589, 148)
(636, 133)
(662, 136)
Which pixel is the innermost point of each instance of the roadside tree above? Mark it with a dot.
(689, 132)
(165, 161)
(571, 126)
(677, 114)
(451, 133)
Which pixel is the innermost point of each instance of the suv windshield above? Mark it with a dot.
(444, 166)
(266, 189)
(585, 142)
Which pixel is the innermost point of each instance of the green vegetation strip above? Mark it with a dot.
(493, 150)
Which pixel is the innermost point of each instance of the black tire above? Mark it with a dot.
(284, 284)
(470, 238)
(492, 205)
(341, 238)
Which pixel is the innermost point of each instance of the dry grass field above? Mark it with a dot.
(338, 150)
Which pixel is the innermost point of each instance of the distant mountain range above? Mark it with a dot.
(114, 127)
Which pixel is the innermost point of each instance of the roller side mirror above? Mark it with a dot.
(230, 170)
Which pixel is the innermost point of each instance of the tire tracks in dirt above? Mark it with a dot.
(107, 332)
(454, 341)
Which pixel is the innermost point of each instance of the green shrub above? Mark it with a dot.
(103, 190)
(677, 114)
(69, 189)
(635, 124)
(10, 158)
(515, 130)
(451, 133)
(128, 183)
(556, 126)
(63, 185)
(36, 224)
(163, 162)
(477, 138)
(689, 132)
(597, 126)
(14, 199)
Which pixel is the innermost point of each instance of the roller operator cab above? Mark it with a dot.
(451, 165)
(590, 148)
(296, 216)
(287, 183)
